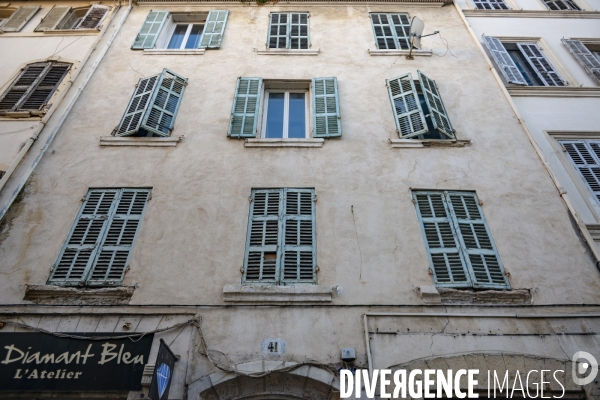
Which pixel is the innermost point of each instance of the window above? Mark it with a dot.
(98, 248)
(418, 115)
(153, 106)
(288, 31)
(523, 63)
(14, 21)
(182, 30)
(285, 108)
(491, 5)
(585, 156)
(65, 17)
(561, 5)
(392, 31)
(458, 241)
(587, 55)
(33, 88)
(281, 239)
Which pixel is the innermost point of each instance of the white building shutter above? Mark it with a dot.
(585, 57)
(299, 247)
(436, 107)
(326, 108)
(53, 18)
(132, 119)
(244, 113)
(214, 29)
(541, 65)
(94, 17)
(148, 34)
(409, 117)
(19, 18)
(503, 60)
(585, 156)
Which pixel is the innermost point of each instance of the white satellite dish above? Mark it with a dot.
(416, 30)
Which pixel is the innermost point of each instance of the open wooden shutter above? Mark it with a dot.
(409, 117)
(299, 250)
(132, 119)
(214, 29)
(505, 63)
(436, 107)
(79, 251)
(441, 242)
(244, 114)
(585, 156)
(326, 108)
(164, 104)
(94, 17)
(278, 31)
(485, 266)
(113, 255)
(148, 34)
(540, 64)
(299, 31)
(53, 18)
(263, 258)
(19, 18)
(585, 57)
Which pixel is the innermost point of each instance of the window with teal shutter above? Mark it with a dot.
(281, 238)
(98, 248)
(585, 156)
(214, 29)
(391, 31)
(148, 34)
(288, 31)
(326, 108)
(409, 117)
(459, 244)
(244, 113)
(440, 119)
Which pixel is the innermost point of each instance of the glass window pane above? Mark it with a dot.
(194, 38)
(177, 37)
(275, 115)
(297, 123)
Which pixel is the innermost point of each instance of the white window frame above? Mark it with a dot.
(265, 110)
(186, 37)
(164, 37)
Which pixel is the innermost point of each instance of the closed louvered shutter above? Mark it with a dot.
(262, 259)
(22, 86)
(19, 18)
(561, 5)
(40, 95)
(585, 57)
(485, 265)
(299, 35)
(93, 17)
(244, 114)
(148, 34)
(503, 60)
(164, 104)
(278, 31)
(541, 65)
(115, 250)
(214, 29)
(299, 247)
(585, 156)
(436, 107)
(391, 31)
(491, 5)
(409, 117)
(53, 18)
(326, 108)
(132, 119)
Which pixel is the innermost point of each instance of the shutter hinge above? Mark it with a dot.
(250, 199)
(562, 146)
(507, 274)
(481, 203)
(241, 270)
(315, 199)
(150, 196)
(317, 269)
(430, 271)
(414, 201)
(83, 199)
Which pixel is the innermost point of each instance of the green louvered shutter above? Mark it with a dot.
(391, 31)
(299, 31)
(441, 242)
(214, 29)
(19, 18)
(409, 117)
(326, 108)
(585, 156)
(94, 17)
(148, 34)
(262, 259)
(53, 18)
(278, 31)
(584, 56)
(504, 61)
(79, 251)
(436, 107)
(299, 250)
(541, 65)
(485, 266)
(132, 119)
(113, 255)
(244, 114)
(164, 103)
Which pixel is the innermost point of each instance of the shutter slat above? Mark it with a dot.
(503, 60)
(214, 29)
(436, 107)
(148, 34)
(541, 65)
(299, 247)
(326, 108)
(585, 57)
(53, 18)
(409, 117)
(298, 31)
(160, 116)
(94, 17)
(244, 113)
(19, 18)
(138, 104)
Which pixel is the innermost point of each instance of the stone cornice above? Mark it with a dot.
(532, 14)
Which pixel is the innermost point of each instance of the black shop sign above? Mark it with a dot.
(38, 361)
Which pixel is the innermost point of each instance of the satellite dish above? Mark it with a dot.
(416, 31)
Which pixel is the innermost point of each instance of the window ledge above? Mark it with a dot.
(533, 13)
(435, 295)
(416, 53)
(140, 141)
(75, 32)
(179, 52)
(277, 294)
(288, 52)
(416, 143)
(311, 142)
(553, 91)
(50, 294)
(21, 114)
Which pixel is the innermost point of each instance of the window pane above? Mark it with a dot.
(275, 115)
(194, 38)
(177, 37)
(297, 123)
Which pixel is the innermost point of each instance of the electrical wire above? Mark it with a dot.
(447, 47)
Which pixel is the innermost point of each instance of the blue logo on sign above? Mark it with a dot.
(163, 375)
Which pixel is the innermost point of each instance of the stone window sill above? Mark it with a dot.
(417, 143)
(10, 115)
(433, 295)
(197, 52)
(311, 142)
(77, 32)
(50, 294)
(416, 53)
(278, 294)
(533, 13)
(140, 141)
(288, 52)
(553, 91)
